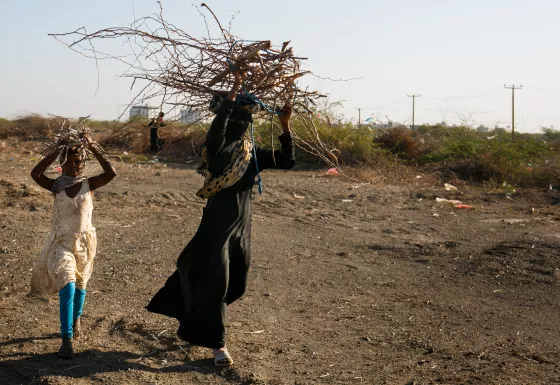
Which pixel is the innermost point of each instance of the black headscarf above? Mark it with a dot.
(241, 116)
(238, 123)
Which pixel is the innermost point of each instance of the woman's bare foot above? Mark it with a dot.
(66, 349)
(77, 329)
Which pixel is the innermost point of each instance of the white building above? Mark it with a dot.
(189, 115)
(143, 112)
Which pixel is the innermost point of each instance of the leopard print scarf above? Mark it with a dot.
(239, 162)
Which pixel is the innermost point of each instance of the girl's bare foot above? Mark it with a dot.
(77, 329)
(66, 349)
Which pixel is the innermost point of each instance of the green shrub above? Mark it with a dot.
(452, 152)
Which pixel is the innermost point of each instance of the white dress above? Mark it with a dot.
(68, 253)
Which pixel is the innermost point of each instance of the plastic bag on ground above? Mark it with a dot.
(450, 201)
(332, 171)
(450, 187)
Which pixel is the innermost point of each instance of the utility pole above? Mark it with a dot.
(513, 88)
(413, 107)
(360, 116)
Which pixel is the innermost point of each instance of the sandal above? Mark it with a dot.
(222, 359)
(66, 349)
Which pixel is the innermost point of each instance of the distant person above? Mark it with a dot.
(155, 140)
(66, 261)
(213, 268)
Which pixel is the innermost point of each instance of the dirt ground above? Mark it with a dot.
(350, 284)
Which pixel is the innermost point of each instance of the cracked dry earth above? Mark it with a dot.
(350, 284)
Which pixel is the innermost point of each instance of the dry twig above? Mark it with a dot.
(181, 70)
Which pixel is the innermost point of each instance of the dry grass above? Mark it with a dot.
(393, 155)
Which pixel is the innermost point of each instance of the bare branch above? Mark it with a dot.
(175, 68)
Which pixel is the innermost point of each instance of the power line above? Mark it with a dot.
(413, 106)
(472, 96)
(396, 101)
(513, 88)
(480, 94)
(542, 90)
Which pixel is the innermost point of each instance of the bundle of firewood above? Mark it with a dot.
(179, 70)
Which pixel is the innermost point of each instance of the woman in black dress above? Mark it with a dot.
(212, 269)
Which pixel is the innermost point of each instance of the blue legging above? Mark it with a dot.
(71, 305)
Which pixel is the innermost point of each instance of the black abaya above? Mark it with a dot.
(212, 269)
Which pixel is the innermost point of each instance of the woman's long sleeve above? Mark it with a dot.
(216, 134)
(282, 159)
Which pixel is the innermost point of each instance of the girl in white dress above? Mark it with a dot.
(66, 260)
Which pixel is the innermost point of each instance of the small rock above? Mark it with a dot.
(266, 294)
(367, 339)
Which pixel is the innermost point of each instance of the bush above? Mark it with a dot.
(355, 146)
(552, 135)
(528, 160)
(30, 127)
(402, 142)
(453, 152)
(180, 142)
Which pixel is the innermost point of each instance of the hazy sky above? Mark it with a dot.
(457, 54)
